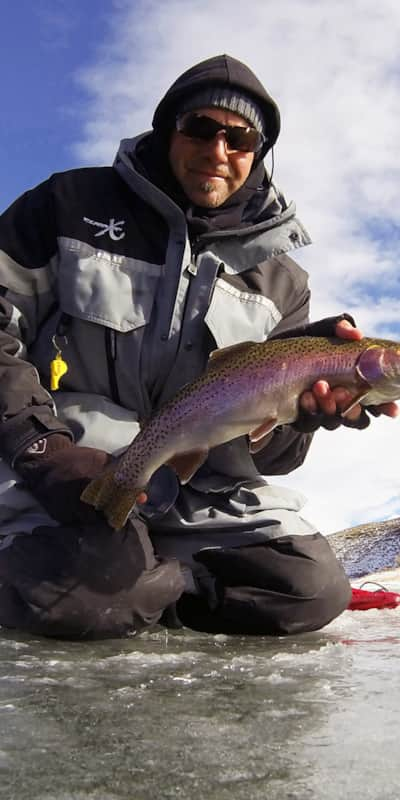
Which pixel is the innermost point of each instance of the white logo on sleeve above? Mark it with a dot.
(114, 229)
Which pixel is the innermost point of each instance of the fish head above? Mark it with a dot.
(379, 366)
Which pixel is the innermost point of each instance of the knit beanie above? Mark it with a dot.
(224, 82)
(222, 97)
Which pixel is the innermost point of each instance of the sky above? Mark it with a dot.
(82, 74)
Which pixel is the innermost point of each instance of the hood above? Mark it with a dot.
(224, 71)
(268, 209)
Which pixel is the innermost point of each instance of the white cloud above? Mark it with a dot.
(334, 71)
(350, 476)
(335, 76)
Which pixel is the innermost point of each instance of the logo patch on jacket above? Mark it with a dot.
(113, 228)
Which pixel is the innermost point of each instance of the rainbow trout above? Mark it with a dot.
(248, 388)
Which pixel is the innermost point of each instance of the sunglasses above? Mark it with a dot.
(199, 126)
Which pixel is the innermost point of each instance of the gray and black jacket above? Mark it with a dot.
(97, 263)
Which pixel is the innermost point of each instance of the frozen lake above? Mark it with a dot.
(188, 715)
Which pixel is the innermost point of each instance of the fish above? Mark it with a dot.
(247, 389)
(369, 552)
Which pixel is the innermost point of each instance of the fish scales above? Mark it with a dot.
(248, 388)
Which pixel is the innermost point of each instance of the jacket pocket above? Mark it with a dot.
(234, 316)
(106, 288)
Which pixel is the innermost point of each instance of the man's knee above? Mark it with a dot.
(305, 566)
(291, 584)
(85, 583)
(316, 585)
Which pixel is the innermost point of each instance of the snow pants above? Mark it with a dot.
(91, 582)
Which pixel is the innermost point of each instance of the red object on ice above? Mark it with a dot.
(362, 600)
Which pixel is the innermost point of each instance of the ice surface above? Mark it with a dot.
(190, 715)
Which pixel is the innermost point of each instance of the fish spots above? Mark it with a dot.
(247, 388)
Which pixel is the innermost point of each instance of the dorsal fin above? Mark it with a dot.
(218, 357)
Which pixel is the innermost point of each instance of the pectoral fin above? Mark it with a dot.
(259, 435)
(354, 400)
(186, 464)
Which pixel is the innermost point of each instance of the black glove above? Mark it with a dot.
(323, 327)
(56, 471)
(308, 423)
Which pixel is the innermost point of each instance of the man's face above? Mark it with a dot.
(206, 170)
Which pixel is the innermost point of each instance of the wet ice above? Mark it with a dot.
(190, 715)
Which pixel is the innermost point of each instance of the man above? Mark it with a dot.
(116, 285)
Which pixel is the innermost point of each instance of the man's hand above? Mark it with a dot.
(56, 471)
(322, 401)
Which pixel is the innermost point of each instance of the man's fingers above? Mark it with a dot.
(344, 399)
(324, 397)
(308, 403)
(329, 401)
(319, 399)
(345, 330)
(388, 409)
(141, 498)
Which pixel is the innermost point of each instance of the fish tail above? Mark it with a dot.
(116, 502)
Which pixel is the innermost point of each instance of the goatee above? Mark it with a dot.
(208, 187)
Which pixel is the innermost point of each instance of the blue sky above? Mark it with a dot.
(44, 46)
(82, 74)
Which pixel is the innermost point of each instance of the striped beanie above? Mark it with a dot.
(232, 99)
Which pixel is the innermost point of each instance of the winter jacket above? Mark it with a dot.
(96, 265)
(96, 262)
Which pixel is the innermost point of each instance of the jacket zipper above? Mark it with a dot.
(111, 356)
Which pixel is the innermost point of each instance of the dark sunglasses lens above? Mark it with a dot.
(200, 127)
(247, 140)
